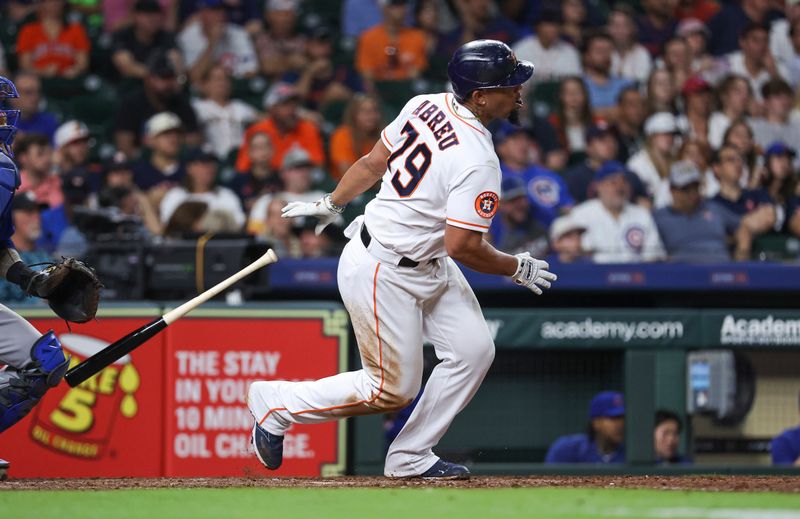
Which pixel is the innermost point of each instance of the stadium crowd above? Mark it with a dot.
(660, 130)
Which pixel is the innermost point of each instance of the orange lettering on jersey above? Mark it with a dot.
(486, 204)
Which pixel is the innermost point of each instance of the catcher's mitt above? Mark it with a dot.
(71, 288)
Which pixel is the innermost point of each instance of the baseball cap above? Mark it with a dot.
(512, 187)
(504, 130)
(598, 129)
(320, 32)
(201, 154)
(296, 158)
(279, 93)
(690, 26)
(147, 6)
(119, 162)
(69, 132)
(695, 84)
(779, 148)
(160, 123)
(660, 122)
(683, 173)
(160, 65)
(26, 201)
(608, 169)
(75, 185)
(608, 404)
(562, 225)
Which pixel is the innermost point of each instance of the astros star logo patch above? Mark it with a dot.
(486, 204)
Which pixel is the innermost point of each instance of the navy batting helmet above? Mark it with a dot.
(486, 64)
(8, 117)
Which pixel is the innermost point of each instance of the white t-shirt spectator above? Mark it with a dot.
(636, 64)
(235, 51)
(765, 132)
(223, 126)
(559, 60)
(718, 124)
(657, 187)
(220, 199)
(630, 238)
(735, 64)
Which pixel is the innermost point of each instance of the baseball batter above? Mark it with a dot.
(439, 193)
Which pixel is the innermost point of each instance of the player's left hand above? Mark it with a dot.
(532, 273)
(71, 288)
(323, 210)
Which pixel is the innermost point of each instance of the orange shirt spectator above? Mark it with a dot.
(60, 53)
(343, 150)
(305, 135)
(360, 130)
(390, 51)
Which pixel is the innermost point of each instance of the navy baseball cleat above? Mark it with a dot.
(446, 470)
(268, 447)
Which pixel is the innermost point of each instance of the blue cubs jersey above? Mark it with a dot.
(9, 182)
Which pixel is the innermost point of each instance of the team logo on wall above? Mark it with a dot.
(635, 238)
(486, 204)
(544, 191)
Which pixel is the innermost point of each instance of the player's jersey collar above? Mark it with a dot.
(465, 115)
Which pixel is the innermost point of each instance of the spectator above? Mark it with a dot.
(604, 88)
(161, 93)
(200, 184)
(566, 236)
(755, 206)
(34, 156)
(391, 51)
(554, 57)
(285, 128)
(313, 245)
(734, 97)
(792, 62)
(32, 119)
(514, 230)
(295, 175)
(694, 230)
(547, 193)
(616, 230)
(25, 214)
(657, 24)
(427, 19)
(187, 220)
(601, 146)
(133, 46)
(667, 438)
(696, 35)
(754, 61)
(780, 34)
(731, 21)
(360, 130)
(360, 15)
(785, 448)
(777, 123)
(652, 163)
(50, 46)
(320, 80)
(574, 25)
(479, 19)
(279, 47)
(223, 119)
(163, 169)
(697, 100)
(661, 92)
(630, 118)
(211, 39)
(779, 180)
(699, 153)
(260, 179)
(740, 136)
(677, 59)
(72, 157)
(630, 59)
(573, 114)
(18, 11)
(604, 439)
(700, 10)
(244, 13)
(278, 231)
(118, 175)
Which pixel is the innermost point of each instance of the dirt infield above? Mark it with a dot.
(785, 484)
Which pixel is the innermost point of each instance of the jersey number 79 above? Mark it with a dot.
(416, 164)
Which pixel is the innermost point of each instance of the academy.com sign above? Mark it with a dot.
(625, 331)
(764, 331)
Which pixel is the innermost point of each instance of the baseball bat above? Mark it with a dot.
(136, 338)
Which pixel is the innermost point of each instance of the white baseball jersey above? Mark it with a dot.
(631, 237)
(442, 170)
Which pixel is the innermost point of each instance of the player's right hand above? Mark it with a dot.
(321, 210)
(532, 273)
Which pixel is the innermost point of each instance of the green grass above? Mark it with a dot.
(351, 503)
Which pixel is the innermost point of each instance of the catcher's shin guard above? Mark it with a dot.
(21, 389)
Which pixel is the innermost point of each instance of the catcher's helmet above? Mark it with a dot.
(8, 117)
(486, 64)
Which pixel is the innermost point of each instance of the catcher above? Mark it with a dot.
(34, 362)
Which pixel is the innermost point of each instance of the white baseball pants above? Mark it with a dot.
(393, 310)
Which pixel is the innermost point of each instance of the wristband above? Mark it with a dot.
(332, 207)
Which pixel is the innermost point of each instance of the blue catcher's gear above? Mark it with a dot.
(8, 117)
(20, 390)
(483, 64)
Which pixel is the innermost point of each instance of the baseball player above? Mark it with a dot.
(439, 192)
(33, 362)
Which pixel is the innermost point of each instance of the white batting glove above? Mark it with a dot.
(323, 209)
(532, 273)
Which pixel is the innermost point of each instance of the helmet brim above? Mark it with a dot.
(521, 74)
